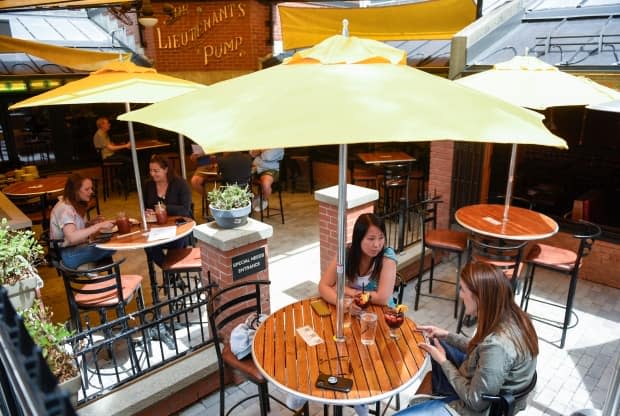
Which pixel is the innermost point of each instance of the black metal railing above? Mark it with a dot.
(27, 385)
(119, 351)
(402, 226)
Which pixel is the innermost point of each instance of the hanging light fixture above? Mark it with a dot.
(145, 14)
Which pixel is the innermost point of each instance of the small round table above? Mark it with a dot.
(522, 224)
(378, 371)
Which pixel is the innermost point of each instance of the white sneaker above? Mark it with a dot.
(259, 208)
(294, 402)
(255, 203)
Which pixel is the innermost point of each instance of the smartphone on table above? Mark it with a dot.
(320, 307)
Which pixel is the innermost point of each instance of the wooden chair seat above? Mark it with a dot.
(246, 366)
(109, 297)
(553, 257)
(182, 258)
(447, 239)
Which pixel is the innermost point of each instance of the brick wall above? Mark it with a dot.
(209, 36)
(328, 229)
(440, 178)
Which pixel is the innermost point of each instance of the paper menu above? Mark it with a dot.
(308, 334)
(161, 233)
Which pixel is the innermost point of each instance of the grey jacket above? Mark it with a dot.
(492, 366)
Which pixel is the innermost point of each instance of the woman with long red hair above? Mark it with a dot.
(500, 356)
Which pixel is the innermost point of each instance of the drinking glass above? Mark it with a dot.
(368, 327)
(161, 214)
(122, 222)
(346, 321)
(394, 320)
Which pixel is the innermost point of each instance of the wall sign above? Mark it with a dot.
(248, 263)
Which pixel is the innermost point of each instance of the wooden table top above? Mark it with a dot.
(137, 239)
(36, 187)
(150, 144)
(378, 371)
(385, 157)
(522, 224)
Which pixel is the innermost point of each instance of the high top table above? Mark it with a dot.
(41, 187)
(378, 371)
(522, 224)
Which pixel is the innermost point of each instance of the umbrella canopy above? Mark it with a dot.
(343, 90)
(118, 82)
(528, 82)
(345, 96)
(611, 106)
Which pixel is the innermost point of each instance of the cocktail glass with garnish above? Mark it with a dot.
(394, 318)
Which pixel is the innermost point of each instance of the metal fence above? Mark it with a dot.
(402, 226)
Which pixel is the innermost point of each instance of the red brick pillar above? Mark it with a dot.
(359, 201)
(440, 178)
(218, 248)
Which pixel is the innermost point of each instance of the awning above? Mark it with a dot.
(73, 58)
(39, 4)
(430, 20)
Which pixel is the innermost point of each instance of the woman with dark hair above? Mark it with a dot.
(68, 223)
(370, 265)
(500, 356)
(173, 192)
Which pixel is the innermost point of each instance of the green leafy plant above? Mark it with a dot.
(51, 338)
(20, 254)
(230, 196)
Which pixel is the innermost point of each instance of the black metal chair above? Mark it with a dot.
(228, 307)
(395, 185)
(505, 255)
(438, 240)
(504, 404)
(564, 261)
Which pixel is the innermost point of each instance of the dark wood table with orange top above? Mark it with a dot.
(378, 371)
(385, 157)
(149, 144)
(522, 224)
(40, 187)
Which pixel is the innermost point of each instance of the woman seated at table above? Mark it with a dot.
(501, 355)
(370, 265)
(173, 192)
(68, 223)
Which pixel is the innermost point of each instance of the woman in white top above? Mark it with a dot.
(68, 223)
(370, 265)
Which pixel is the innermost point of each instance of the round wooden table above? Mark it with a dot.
(522, 224)
(138, 238)
(36, 187)
(378, 371)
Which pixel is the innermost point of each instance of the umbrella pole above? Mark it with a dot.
(511, 175)
(340, 265)
(136, 169)
(182, 155)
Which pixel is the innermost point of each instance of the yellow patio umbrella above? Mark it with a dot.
(118, 82)
(343, 90)
(528, 82)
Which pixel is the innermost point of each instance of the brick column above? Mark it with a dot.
(218, 246)
(359, 201)
(440, 178)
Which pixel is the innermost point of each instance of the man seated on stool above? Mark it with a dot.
(267, 165)
(109, 150)
(204, 163)
(235, 168)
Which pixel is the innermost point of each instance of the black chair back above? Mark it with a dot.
(505, 255)
(504, 404)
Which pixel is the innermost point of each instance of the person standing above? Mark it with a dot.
(68, 223)
(267, 165)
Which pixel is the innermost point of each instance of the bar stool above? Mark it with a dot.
(177, 269)
(395, 185)
(438, 240)
(276, 186)
(108, 170)
(560, 260)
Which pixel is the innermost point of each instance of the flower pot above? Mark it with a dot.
(230, 218)
(22, 293)
(72, 386)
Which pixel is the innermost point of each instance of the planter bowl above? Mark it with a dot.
(22, 293)
(231, 218)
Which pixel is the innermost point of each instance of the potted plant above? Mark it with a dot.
(230, 205)
(51, 338)
(20, 254)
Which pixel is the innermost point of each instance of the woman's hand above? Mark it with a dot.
(433, 331)
(104, 225)
(435, 349)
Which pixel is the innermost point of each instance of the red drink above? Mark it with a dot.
(122, 222)
(362, 299)
(161, 214)
(394, 320)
